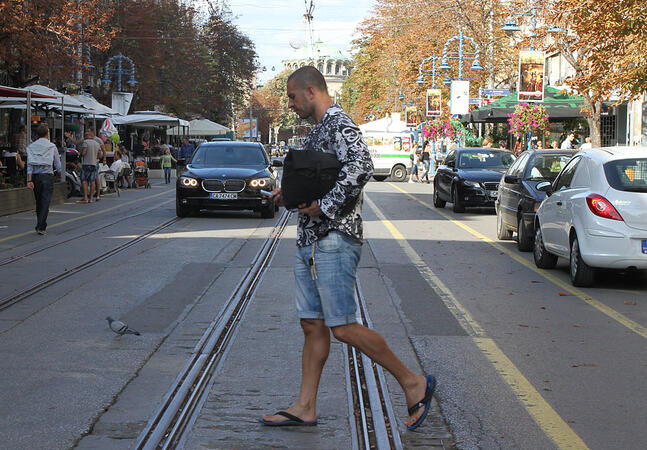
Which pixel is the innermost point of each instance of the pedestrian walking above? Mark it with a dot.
(42, 161)
(100, 157)
(329, 243)
(167, 163)
(90, 152)
(426, 162)
(415, 160)
(587, 143)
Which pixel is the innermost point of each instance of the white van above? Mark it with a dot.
(390, 144)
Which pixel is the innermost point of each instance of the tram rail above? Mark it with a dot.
(179, 408)
(369, 403)
(13, 299)
(16, 258)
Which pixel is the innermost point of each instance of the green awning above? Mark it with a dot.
(559, 106)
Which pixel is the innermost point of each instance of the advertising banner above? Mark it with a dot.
(411, 116)
(434, 102)
(244, 128)
(460, 97)
(531, 76)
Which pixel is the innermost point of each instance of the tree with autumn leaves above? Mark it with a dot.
(604, 40)
(188, 62)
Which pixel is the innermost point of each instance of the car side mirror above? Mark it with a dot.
(545, 186)
(277, 163)
(511, 179)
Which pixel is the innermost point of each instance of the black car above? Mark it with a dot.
(470, 177)
(519, 199)
(227, 175)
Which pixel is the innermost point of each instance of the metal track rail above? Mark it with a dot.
(179, 409)
(375, 423)
(15, 298)
(13, 259)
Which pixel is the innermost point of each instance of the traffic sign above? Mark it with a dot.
(495, 92)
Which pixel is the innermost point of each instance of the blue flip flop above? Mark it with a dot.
(291, 420)
(424, 403)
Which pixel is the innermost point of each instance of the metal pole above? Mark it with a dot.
(460, 55)
(28, 111)
(251, 92)
(63, 159)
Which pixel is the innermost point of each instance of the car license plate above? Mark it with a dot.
(645, 246)
(223, 196)
(493, 194)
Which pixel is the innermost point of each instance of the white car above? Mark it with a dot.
(595, 214)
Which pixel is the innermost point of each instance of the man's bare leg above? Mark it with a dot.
(85, 190)
(315, 352)
(375, 347)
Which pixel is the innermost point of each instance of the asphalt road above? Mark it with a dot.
(523, 360)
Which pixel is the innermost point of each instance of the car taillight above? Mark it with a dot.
(602, 207)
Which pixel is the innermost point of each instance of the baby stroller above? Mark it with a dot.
(141, 173)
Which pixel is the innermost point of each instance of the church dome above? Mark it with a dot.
(317, 51)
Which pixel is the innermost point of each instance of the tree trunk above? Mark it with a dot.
(594, 120)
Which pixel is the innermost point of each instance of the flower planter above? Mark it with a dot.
(22, 199)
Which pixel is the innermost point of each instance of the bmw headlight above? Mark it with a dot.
(259, 182)
(189, 182)
(471, 184)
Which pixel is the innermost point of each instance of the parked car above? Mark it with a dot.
(595, 214)
(227, 175)
(470, 177)
(518, 197)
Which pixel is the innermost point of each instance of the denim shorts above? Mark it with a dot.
(88, 173)
(331, 296)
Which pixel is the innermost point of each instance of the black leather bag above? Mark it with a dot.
(308, 175)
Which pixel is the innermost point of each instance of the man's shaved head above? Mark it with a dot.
(308, 76)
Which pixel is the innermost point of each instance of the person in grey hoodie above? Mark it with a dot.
(42, 161)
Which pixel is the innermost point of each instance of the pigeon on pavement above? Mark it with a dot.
(120, 327)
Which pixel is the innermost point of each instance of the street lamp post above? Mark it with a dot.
(425, 73)
(461, 55)
(511, 27)
(119, 70)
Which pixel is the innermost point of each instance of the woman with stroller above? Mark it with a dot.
(167, 162)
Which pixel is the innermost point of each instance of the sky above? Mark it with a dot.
(273, 24)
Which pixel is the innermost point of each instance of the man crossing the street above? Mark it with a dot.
(330, 239)
(42, 161)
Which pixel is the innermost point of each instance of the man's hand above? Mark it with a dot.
(313, 210)
(277, 197)
(30, 185)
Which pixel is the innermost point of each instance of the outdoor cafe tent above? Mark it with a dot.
(148, 119)
(201, 127)
(558, 104)
(94, 107)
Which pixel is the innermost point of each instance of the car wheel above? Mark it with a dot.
(543, 259)
(524, 239)
(458, 205)
(438, 202)
(581, 273)
(502, 233)
(399, 173)
(180, 210)
(380, 177)
(268, 212)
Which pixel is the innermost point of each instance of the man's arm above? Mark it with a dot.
(357, 167)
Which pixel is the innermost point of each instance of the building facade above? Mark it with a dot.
(331, 62)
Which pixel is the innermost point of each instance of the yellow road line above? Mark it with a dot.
(543, 414)
(566, 287)
(83, 216)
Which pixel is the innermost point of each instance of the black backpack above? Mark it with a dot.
(308, 175)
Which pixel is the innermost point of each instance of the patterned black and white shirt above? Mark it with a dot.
(337, 133)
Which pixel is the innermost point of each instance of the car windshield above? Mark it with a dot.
(228, 156)
(484, 159)
(627, 174)
(546, 167)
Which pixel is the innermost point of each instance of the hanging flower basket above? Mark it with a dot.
(528, 119)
